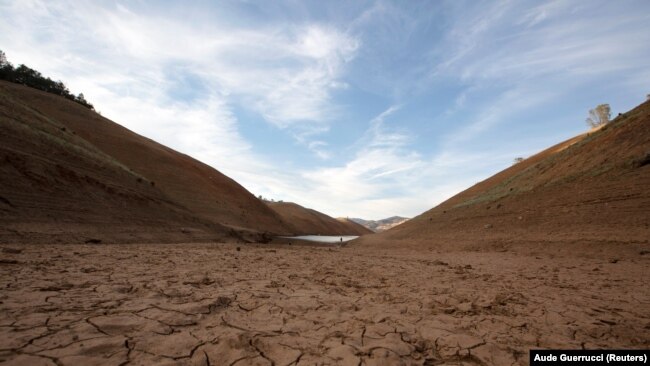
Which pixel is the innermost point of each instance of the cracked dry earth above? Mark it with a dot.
(214, 305)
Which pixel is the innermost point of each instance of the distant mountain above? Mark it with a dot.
(381, 225)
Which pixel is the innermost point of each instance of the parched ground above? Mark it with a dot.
(287, 305)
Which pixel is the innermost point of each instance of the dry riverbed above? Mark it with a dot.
(195, 304)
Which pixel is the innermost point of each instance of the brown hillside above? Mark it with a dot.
(591, 188)
(355, 226)
(62, 163)
(306, 221)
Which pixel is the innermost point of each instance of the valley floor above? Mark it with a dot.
(286, 305)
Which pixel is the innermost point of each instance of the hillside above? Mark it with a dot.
(355, 226)
(69, 174)
(590, 189)
(381, 225)
(306, 221)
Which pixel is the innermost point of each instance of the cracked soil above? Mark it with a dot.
(210, 304)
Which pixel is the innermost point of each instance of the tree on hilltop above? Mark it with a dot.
(599, 116)
(29, 77)
(6, 70)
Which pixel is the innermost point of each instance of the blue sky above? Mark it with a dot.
(354, 108)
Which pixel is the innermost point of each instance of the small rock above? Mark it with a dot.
(93, 241)
(487, 226)
(613, 260)
(238, 249)
(8, 261)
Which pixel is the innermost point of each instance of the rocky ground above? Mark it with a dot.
(287, 305)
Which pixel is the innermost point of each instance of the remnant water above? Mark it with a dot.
(323, 238)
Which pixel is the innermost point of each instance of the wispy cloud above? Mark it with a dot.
(511, 57)
(510, 41)
(385, 175)
(285, 72)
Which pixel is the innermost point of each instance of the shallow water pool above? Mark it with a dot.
(323, 238)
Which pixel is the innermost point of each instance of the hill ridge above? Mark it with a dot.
(89, 177)
(592, 187)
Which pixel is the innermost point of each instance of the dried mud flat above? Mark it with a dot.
(215, 305)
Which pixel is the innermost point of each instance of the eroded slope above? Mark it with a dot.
(70, 175)
(592, 188)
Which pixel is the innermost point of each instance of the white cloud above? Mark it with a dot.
(387, 176)
(285, 72)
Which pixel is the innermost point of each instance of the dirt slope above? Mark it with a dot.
(306, 221)
(66, 169)
(589, 189)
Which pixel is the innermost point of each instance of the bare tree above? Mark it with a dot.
(517, 160)
(3, 59)
(599, 116)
